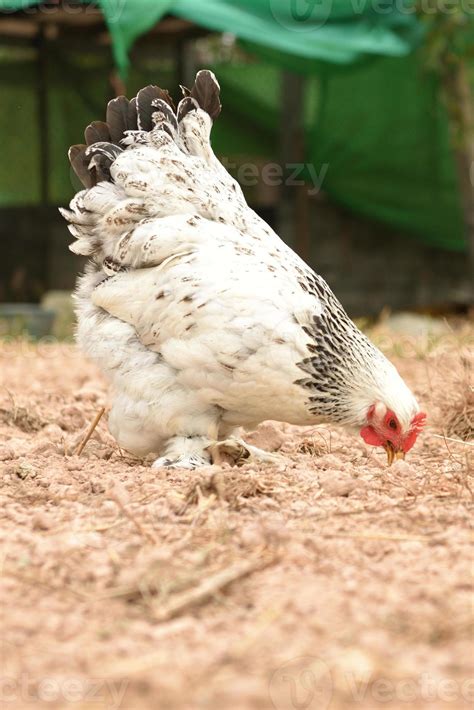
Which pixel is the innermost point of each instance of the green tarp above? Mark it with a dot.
(374, 120)
(331, 30)
(338, 31)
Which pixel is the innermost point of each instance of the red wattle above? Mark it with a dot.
(370, 436)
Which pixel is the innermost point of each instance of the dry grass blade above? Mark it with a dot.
(209, 587)
(381, 536)
(455, 441)
(458, 414)
(90, 431)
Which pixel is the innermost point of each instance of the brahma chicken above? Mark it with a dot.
(202, 318)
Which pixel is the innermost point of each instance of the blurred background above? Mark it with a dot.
(326, 581)
(349, 126)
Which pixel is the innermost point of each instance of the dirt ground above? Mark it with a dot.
(325, 581)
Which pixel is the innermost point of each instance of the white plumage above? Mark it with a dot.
(202, 318)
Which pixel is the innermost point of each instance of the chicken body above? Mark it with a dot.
(202, 318)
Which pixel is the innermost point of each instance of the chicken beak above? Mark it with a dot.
(392, 454)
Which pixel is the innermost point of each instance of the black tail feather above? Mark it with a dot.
(80, 164)
(92, 161)
(110, 150)
(133, 114)
(185, 106)
(117, 117)
(97, 132)
(101, 157)
(146, 109)
(169, 113)
(99, 168)
(145, 98)
(206, 91)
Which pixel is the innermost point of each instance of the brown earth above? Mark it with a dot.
(326, 581)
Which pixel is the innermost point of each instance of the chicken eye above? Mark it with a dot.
(393, 424)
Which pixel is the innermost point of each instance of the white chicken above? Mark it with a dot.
(201, 317)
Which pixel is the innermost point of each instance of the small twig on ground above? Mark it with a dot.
(381, 536)
(456, 441)
(91, 430)
(209, 587)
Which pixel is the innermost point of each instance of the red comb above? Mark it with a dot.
(418, 421)
(417, 424)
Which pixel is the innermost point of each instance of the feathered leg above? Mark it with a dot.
(236, 451)
(194, 451)
(185, 452)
